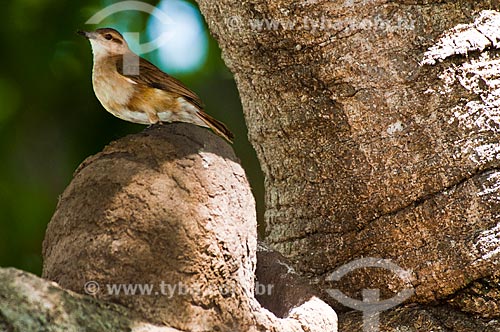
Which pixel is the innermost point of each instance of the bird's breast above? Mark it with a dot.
(112, 90)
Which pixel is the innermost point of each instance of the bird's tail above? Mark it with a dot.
(218, 127)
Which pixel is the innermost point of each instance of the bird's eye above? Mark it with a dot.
(108, 36)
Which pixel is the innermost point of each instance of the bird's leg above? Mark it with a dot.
(157, 124)
(153, 119)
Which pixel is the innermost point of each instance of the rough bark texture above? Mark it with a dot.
(376, 124)
(31, 304)
(168, 210)
(418, 318)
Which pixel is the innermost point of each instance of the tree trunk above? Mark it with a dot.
(376, 125)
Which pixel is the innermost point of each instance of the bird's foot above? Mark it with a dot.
(155, 125)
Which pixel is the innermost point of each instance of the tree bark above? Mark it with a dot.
(376, 125)
(31, 304)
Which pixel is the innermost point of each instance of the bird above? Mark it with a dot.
(135, 90)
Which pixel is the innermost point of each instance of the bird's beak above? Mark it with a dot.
(87, 34)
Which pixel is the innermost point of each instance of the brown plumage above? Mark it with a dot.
(135, 90)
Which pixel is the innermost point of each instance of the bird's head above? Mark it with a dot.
(106, 42)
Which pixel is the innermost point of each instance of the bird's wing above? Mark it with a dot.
(151, 76)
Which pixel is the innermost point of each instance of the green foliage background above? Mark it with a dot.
(50, 120)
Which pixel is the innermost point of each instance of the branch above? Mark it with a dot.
(28, 303)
